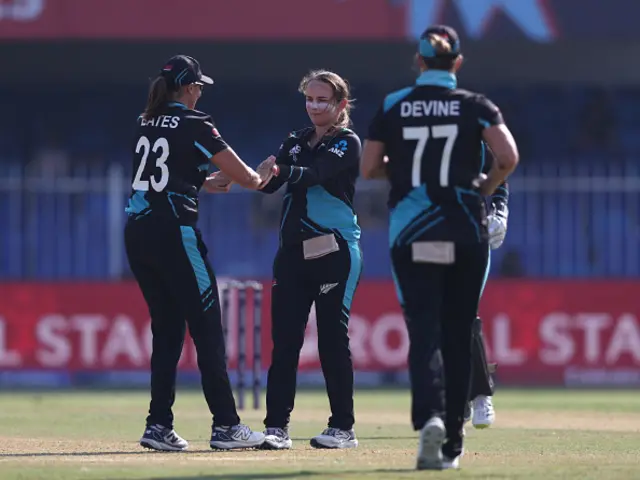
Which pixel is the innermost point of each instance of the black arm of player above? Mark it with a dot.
(273, 186)
(501, 143)
(343, 153)
(210, 143)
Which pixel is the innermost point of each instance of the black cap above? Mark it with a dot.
(183, 70)
(444, 31)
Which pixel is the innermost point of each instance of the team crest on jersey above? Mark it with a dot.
(339, 148)
(294, 153)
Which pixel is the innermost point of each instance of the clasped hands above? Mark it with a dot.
(218, 182)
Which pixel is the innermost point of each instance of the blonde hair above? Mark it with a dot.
(341, 91)
(440, 44)
(444, 58)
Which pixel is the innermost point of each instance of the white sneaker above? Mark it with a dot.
(432, 437)
(448, 464)
(452, 463)
(236, 436)
(158, 437)
(483, 413)
(276, 439)
(335, 438)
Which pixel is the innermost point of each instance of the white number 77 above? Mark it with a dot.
(421, 134)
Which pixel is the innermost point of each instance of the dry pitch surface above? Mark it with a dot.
(538, 434)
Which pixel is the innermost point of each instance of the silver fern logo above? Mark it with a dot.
(294, 153)
(327, 287)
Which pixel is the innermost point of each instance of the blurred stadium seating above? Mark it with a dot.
(574, 199)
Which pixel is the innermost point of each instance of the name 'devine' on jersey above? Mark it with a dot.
(429, 108)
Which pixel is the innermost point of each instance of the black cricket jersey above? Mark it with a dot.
(432, 133)
(320, 185)
(171, 158)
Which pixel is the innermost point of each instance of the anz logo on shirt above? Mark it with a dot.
(339, 148)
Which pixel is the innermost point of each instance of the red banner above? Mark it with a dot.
(550, 333)
(201, 19)
(535, 20)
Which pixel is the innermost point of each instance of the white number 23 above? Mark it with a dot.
(162, 145)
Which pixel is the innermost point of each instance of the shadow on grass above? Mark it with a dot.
(151, 452)
(360, 439)
(381, 472)
(95, 454)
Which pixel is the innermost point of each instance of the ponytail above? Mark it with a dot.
(158, 96)
(344, 119)
(440, 45)
(444, 58)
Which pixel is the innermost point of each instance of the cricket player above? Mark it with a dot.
(432, 135)
(174, 146)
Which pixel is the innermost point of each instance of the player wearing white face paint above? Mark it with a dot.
(319, 260)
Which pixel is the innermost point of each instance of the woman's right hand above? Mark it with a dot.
(217, 182)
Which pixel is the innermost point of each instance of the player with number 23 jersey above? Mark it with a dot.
(173, 149)
(165, 184)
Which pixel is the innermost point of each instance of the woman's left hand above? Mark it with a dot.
(267, 169)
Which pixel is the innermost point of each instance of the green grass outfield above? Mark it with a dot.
(538, 434)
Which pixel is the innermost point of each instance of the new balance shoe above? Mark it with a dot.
(157, 437)
(335, 438)
(432, 437)
(236, 436)
(276, 439)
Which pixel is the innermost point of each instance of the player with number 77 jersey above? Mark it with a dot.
(432, 134)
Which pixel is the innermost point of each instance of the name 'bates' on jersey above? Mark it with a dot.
(432, 134)
(171, 156)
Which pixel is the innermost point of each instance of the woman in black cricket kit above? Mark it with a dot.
(432, 135)
(174, 146)
(319, 259)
